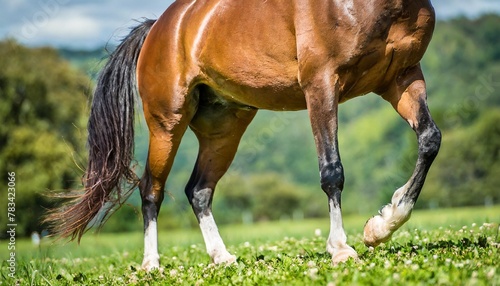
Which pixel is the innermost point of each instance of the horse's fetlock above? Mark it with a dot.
(332, 178)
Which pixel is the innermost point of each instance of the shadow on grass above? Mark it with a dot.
(463, 243)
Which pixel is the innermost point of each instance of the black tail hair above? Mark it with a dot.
(109, 178)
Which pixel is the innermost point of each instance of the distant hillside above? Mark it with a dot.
(88, 61)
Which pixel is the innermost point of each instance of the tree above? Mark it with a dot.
(466, 171)
(42, 110)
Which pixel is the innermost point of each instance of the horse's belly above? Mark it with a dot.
(273, 94)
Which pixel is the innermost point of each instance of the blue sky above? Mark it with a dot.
(92, 23)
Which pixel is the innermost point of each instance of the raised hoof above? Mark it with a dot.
(343, 255)
(376, 231)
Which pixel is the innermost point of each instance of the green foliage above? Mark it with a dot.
(466, 172)
(462, 68)
(89, 62)
(42, 114)
(264, 197)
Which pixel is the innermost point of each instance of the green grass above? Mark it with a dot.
(441, 247)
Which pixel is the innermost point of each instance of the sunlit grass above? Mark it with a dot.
(444, 247)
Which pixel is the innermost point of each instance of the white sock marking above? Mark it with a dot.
(337, 238)
(151, 256)
(213, 241)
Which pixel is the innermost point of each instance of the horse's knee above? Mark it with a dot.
(332, 178)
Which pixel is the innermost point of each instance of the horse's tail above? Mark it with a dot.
(109, 178)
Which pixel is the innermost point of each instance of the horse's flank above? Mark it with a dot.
(262, 53)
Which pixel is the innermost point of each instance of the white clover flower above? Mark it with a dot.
(273, 248)
(313, 272)
(173, 272)
(311, 264)
(317, 232)
(491, 273)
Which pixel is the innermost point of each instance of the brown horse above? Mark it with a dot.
(211, 64)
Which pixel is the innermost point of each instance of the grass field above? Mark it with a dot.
(442, 247)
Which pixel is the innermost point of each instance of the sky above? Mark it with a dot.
(88, 24)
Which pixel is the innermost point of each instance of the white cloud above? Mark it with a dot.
(58, 25)
(71, 26)
(66, 25)
(73, 23)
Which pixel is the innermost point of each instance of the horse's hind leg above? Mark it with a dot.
(167, 119)
(219, 130)
(408, 96)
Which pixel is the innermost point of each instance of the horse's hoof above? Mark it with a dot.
(224, 259)
(343, 255)
(150, 264)
(376, 231)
